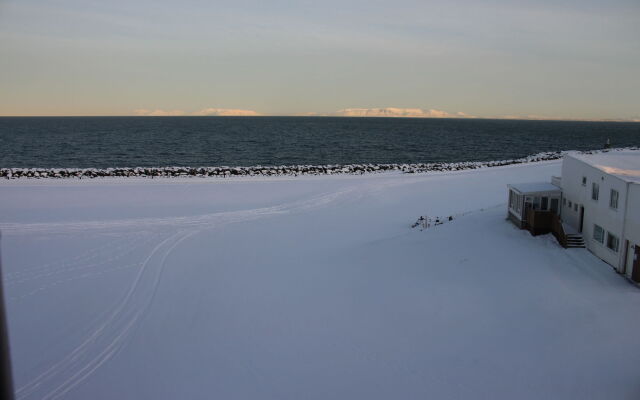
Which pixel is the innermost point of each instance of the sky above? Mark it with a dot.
(576, 59)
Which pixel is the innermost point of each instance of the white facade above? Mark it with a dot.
(601, 199)
(632, 229)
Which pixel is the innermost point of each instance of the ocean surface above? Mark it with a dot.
(102, 142)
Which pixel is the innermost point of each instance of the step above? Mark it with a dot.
(575, 241)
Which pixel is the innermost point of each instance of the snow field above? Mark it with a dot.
(311, 287)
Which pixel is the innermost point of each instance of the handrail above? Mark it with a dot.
(558, 230)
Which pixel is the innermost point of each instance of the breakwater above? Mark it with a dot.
(284, 170)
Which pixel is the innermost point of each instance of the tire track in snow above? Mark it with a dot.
(111, 334)
(119, 341)
(75, 358)
(79, 266)
(197, 221)
(88, 255)
(74, 278)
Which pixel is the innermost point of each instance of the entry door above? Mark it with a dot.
(635, 274)
(581, 218)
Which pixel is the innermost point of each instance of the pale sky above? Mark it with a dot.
(555, 59)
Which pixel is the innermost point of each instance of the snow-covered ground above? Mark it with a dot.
(306, 288)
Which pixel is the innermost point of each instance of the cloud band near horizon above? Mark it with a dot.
(387, 112)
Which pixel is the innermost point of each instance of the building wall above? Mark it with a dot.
(632, 227)
(572, 190)
(595, 212)
(633, 213)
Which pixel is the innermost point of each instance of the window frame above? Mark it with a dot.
(595, 191)
(617, 242)
(598, 228)
(611, 197)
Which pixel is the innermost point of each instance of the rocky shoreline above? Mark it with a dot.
(284, 170)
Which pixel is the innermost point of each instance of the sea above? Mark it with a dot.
(104, 142)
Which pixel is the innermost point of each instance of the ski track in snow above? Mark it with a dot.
(110, 334)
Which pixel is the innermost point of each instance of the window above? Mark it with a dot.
(570, 205)
(612, 242)
(536, 203)
(613, 200)
(584, 181)
(598, 233)
(514, 201)
(554, 205)
(575, 206)
(564, 201)
(595, 191)
(544, 204)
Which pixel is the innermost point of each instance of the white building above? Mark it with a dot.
(601, 200)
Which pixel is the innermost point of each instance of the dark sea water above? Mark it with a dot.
(102, 142)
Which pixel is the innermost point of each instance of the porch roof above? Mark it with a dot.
(535, 187)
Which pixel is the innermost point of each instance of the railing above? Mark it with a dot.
(538, 222)
(558, 230)
(541, 222)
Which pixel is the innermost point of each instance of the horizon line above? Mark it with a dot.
(502, 118)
